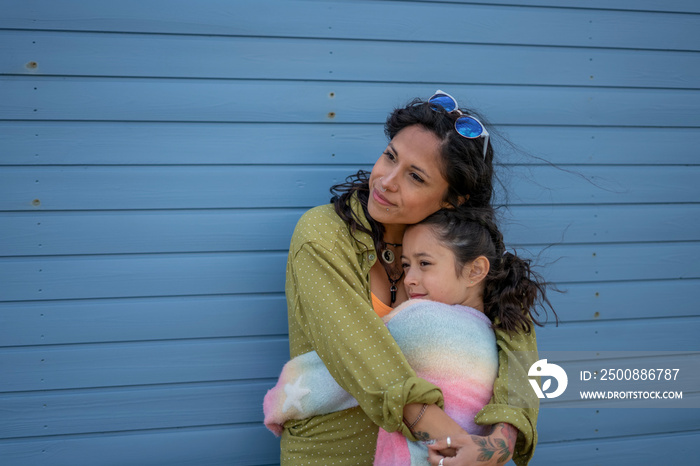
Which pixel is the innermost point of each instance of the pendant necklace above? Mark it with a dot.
(392, 288)
(388, 256)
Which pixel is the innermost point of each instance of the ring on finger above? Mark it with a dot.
(441, 460)
(449, 442)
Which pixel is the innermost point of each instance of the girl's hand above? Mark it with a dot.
(492, 450)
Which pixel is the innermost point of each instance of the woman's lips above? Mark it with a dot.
(416, 295)
(381, 199)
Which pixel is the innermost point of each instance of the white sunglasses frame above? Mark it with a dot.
(484, 133)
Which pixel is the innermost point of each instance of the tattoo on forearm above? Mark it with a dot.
(488, 447)
(422, 436)
(511, 435)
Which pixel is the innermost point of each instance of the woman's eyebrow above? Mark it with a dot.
(419, 169)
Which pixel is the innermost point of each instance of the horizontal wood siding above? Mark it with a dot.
(155, 157)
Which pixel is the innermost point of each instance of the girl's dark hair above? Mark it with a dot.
(468, 173)
(512, 289)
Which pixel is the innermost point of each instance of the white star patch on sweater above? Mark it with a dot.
(294, 395)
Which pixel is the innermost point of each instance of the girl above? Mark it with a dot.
(460, 257)
(459, 279)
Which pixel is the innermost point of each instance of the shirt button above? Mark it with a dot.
(371, 257)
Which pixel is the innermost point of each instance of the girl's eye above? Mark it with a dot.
(389, 155)
(424, 263)
(405, 266)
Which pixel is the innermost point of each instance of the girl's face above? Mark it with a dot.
(431, 270)
(406, 184)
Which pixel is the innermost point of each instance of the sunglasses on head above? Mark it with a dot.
(466, 125)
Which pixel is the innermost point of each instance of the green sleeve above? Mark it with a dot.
(331, 306)
(514, 402)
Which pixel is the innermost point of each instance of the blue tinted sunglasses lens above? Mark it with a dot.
(469, 127)
(444, 101)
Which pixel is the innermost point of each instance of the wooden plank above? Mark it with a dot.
(608, 185)
(592, 224)
(122, 276)
(163, 318)
(556, 425)
(141, 319)
(142, 276)
(598, 145)
(675, 6)
(237, 230)
(90, 54)
(110, 143)
(149, 99)
(181, 187)
(471, 23)
(70, 412)
(618, 262)
(673, 448)
(226, 187)
(147, 363)
(107, 143)
(673, 334)
(213, 446)
(119, 232)
(598, 302)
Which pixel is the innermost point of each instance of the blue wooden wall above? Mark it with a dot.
(155, 155)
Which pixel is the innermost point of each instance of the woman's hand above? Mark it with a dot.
(492, 450)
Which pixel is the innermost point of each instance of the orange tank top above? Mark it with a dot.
(379, 307)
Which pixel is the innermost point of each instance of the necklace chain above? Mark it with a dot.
(388, 258)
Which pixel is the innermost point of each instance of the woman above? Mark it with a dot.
(343, 275)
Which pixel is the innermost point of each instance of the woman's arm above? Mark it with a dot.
(330, 312)
(514, 402)
(432, 423)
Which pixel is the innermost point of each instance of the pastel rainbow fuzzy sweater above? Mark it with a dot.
(454, 347)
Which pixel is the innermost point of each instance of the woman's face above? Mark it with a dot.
(406, 184)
